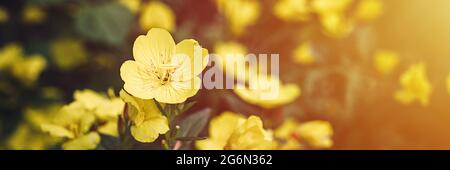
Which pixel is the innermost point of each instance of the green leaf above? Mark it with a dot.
(104, 23)
(192, 125)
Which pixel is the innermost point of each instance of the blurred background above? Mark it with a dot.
(50, 48)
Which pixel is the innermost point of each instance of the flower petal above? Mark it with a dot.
(155, 48)
(177, 91)
(198, 58)
(137, 82)
(57, 131)
(150, 129)
(89, 141)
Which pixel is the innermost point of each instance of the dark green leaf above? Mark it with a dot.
(192, 125)
(104, 23)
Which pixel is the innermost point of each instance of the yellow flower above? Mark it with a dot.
(9, 55)
(323, 7)
(68, 53)
(268, 92)
(234, 132)
(316, 134)
(147, 121)
(28, 69)
(285, 132)
(368, 10)
(229, 55)
(385, 61)
(27, 138)
(415, 85)
(74, 123)
(336, 25)
(106, 110)
(4, 16)
(33, 14)
(448, 83)
(132, 5)
(162, 70)
(28, 134)
(156, 14)
(304, 54)
(239, 13)
(292, 10)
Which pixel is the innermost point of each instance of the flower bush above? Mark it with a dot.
(223, 74)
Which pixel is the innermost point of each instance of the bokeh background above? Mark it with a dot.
(84, 42)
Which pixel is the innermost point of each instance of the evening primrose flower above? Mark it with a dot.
(25, 68)
(268, 92)
(68, 53)
(33, 14)
(415, 85)
(304, 54)
(239, 13)
(292, 10)
(74, 123)
(232, 131)
(28, 135)
(230, 54)
(4, 16)
(156, 14)
(27, 138)
(162, 70)
(316, 134)
(369, 10)
(147, 120)
(106, 110)
(28, 69)
(385, 61)
(336, 25)
(285, 132)
(9, 55)
(132, 5)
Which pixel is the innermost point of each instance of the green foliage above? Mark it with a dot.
(107, 23)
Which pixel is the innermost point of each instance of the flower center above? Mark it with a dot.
(165, 72)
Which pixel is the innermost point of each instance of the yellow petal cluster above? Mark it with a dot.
(68, 53)
(385, 61)
(415, 85)
(292, 10)
(27, 69)
(304, 54)
(268, 91)
(336, 25)
(369, 10)
(76, 120)
(162, 70)
(28, 135)
(293, 135)
(232, 131)
(239, 13)
(33, 14)
(147, 120)
(156, 14)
